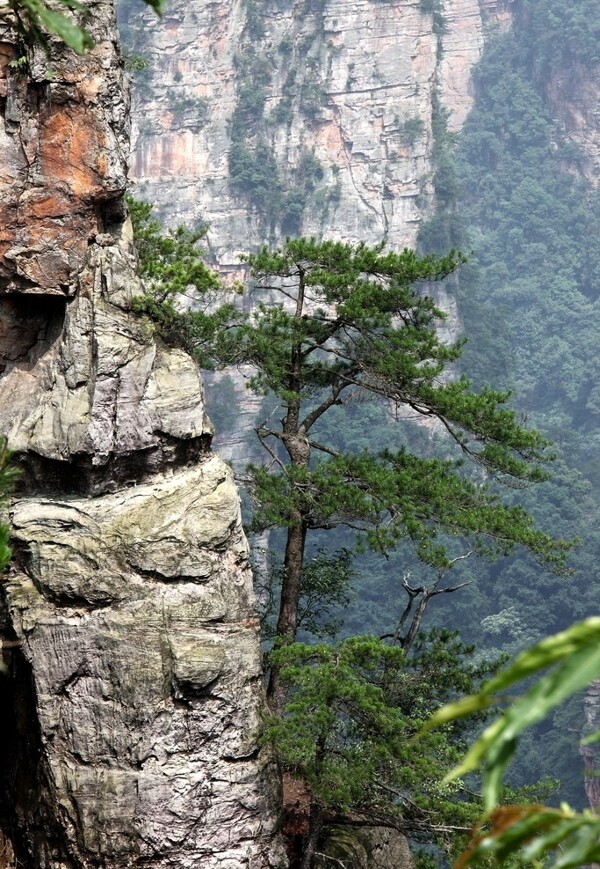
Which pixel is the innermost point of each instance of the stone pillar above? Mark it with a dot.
(131, 689)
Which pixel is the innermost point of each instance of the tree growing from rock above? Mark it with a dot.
(345, 734)
(333, 323)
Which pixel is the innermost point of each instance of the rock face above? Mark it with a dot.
(333, 101)
(311, 117)
(132, 690)
(574, 96)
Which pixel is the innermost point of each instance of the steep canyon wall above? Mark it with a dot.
(312, 117)
(131, 688)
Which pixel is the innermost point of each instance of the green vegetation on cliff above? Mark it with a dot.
(529, 303)
(8, 476)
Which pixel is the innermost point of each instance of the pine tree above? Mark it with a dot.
(347, 321)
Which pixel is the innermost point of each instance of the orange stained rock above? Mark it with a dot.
(42, 203)
(72, 152)
(330, 137)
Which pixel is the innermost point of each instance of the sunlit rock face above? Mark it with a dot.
(63, 153)
(352, 85)
(131, 690)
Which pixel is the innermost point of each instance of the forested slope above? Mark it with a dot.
(526, 202)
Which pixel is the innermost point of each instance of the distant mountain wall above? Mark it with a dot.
(311, 117)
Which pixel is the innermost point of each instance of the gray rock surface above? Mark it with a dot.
(135, 614)
(349, 83)
(131, 690)
(591, 753)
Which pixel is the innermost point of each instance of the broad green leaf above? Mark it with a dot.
(585, 848)
(75, 37)
(548, 651)
(560, 837)
(575, 654)
(555, 833)
(459, 709)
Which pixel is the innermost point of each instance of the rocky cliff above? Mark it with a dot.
(311, 117)
(316, 116)
(590, 753)
(131, 688)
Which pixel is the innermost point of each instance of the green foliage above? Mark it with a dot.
(312, 97)
(277, 195)
(134, 62)
(347, 726)
(19, 64)
(168, 263)
(528, 300)
(347, 321)
(325, 593)
(560, 32)
(36, 20)
(567, 661)
(172, 266)
(537, 250)
(379, 335)
(394, 496)
(412, 129)
(436, 9)
(536, 836)
(8, 477)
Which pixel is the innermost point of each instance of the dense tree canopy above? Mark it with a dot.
(346, 730)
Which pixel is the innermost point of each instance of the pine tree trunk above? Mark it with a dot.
(314, 831)
(291, 586)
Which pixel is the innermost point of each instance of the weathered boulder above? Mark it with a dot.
(96, 390)
(135, 614)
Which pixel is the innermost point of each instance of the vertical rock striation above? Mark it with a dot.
(336, 99)
(311, 117)
(132, 689)
(342, 115)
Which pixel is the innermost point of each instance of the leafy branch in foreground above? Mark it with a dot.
(37, 19)
(562, 837)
